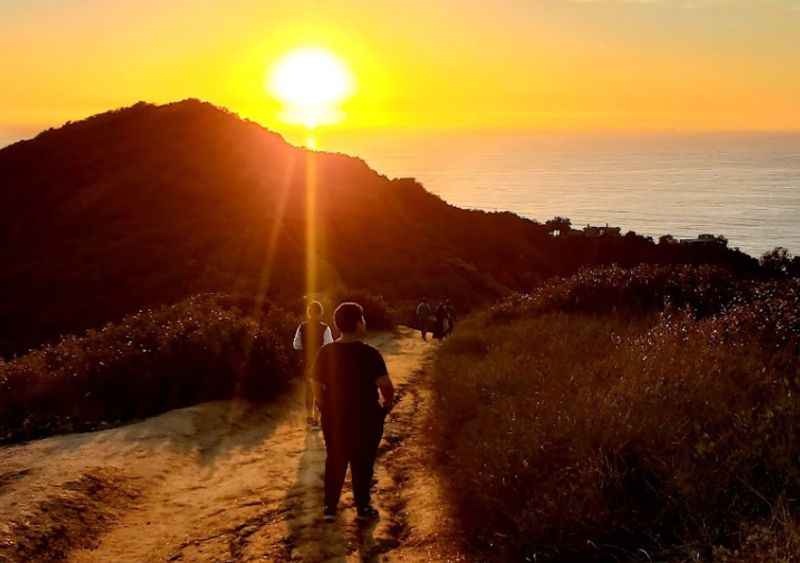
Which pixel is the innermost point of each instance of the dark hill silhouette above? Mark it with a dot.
(148, 204)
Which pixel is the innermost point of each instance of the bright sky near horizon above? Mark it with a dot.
(563, 64)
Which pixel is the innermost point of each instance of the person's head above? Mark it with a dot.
(349, 318)
(314, 310)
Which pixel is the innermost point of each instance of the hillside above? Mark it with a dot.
(644, 414)
(149, 204)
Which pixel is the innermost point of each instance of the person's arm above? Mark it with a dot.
(327, 337)
(297, 344)
(383, 381)
(386, 387)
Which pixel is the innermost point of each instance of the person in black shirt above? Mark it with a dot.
(348, 374)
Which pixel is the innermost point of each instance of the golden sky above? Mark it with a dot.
(525, 64)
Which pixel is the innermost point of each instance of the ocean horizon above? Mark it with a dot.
(745, 186)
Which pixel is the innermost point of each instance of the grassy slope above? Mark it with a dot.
(572, 430)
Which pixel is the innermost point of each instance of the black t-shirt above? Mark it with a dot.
(348, 372)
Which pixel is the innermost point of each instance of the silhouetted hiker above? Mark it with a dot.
(347, 377)
(442, 324)
(423, 317)
(310, 336)
(451, 316)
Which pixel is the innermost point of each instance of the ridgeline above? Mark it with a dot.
(147, 205)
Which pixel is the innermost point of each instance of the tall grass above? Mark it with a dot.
(204, 348)
(575, 429)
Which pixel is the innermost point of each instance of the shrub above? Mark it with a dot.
(704, 290)
(201, 349)
(376, 310)
(405, 313)
(590, 437)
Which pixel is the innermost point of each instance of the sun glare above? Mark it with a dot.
(312, 83)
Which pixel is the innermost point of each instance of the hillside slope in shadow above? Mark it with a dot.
(148, 204)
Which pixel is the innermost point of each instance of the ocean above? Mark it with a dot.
(744, 186)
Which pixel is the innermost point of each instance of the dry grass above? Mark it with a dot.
(594, 434)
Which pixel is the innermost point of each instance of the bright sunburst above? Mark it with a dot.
(312, 83)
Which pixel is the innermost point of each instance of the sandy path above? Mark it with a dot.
(222, 481)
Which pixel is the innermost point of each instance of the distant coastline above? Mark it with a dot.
(743, 185)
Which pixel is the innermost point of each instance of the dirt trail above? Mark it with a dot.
(223, 481)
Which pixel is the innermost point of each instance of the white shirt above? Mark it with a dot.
(327, 338)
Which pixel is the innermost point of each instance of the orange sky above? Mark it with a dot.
(536, 64)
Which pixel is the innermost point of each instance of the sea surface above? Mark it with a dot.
(744, 186)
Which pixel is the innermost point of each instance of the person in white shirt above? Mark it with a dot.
(310, 336)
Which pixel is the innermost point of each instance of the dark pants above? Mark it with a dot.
(425, 326)
(354, 445)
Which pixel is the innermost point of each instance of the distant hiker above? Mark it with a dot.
(310, 336)
(451, 315)
(347, 377)
(442, 324)
(424, 314)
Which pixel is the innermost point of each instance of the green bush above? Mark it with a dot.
(573, 435)
(204, 348)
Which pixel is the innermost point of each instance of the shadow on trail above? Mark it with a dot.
(310, 538)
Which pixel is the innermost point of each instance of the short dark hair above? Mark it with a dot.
(347, 316)
(315, 307)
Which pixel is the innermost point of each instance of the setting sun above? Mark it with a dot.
(311, 83)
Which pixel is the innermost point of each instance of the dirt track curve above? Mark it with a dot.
(224, 481)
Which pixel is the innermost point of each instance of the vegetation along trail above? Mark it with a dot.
(223, 481)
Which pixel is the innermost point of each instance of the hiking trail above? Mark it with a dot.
(225, 481)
